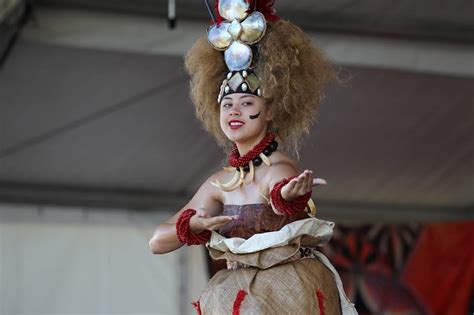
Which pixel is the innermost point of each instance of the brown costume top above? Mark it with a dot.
(255, 218)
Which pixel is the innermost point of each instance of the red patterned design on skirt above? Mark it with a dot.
(320, 296)
(238, 301)
(197, 307)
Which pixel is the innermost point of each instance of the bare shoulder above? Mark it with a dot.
(282, 163)
(282, 167)
(220, 176)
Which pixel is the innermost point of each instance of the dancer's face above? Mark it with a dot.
(244, 117)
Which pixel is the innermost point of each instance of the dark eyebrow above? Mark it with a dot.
(247, 95)
(243, 96)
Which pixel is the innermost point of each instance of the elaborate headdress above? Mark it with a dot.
(249, 49)
(236, 31)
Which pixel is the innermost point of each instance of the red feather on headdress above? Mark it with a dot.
(219, 18)
(266, 8)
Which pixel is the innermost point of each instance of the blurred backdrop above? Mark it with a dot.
(99, 144)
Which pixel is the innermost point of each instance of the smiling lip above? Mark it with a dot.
(235, 124)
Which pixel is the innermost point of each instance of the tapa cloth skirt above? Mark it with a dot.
(277, 272)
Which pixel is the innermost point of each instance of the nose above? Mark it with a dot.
(235, 111)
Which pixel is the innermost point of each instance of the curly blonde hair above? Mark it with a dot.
(293, 74)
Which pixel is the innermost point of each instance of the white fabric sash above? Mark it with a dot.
(261, 241)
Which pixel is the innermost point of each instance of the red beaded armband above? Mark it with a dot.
(288, 207)
(184, 233)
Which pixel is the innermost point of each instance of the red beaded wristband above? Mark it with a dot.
(288, 207)
(184, 233)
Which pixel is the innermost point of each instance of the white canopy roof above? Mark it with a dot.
(107, 126)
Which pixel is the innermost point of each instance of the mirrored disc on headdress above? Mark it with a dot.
(238, 56)
(235, 29)
(253, 27)
(219, 37)
(233, 9)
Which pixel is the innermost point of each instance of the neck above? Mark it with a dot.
(245, 146)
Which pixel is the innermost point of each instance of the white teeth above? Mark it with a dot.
(235, 123)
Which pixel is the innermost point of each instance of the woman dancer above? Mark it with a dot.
(256, 82)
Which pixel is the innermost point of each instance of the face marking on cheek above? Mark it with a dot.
(255, 116)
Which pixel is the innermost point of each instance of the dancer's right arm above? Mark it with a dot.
(208, 205)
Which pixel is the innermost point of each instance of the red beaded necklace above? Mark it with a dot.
(267, 145)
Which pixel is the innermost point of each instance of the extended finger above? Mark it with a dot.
(304, 174)
(220, 219)
(212, 224)
(219, 224)
(300, 182)
(308, 182)
(291, 184)
(301, 178)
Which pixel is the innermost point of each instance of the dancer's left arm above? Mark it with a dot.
(298, 186)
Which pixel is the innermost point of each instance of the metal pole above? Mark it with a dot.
(211, 13)
(172, 13)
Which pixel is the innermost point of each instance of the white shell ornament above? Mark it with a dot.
(238, 56)
(253, 27)
(235, 29)
(233, 9)
(219, 37)
(235, 81)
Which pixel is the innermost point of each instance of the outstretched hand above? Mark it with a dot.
(300, 185)
(202, 221)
